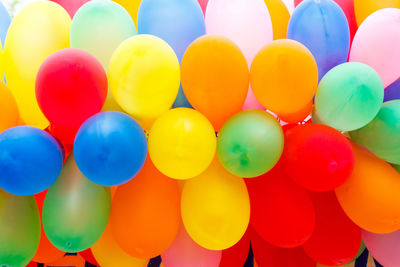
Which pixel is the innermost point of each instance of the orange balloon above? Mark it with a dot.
(67, 260)
(364, 8)
(284, 76)
(298, 116)
(145, 213)
(370, 197)
(9, 116)
(215, 78)
(279, 16)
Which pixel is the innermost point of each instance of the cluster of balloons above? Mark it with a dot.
(195, 130)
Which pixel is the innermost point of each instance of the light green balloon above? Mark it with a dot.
(382, 135)
(75, 210)
(349, 96)
(19, 229)
(250, 143)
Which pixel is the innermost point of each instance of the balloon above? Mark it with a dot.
(298, 116)
(392, 92)
(30, 160)
(336, 239)
(5, 21)
(284, 77)
(184, 252)
(349, 96)
(87, 255)
(364, 8)
(383, 247)
(19, 229)
(132, 6)
(250, 143)
(380, 136)
(22, 61)
(108, 254)
(182, 143)
(110, 148)
(145, 213)
(75, 210)
(203, 5)
(247, 23)
(215, 208)
(8, 109)
(71, 86)
(322, 27)
(215, 78)
(279, 16)
(282, 213)
(237, 254)
(372, 181)
(144, 77)
(71, 6)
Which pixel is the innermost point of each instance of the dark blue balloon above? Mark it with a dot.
(322, 27)
(392, 92)
(5, 21)
(30, 160)
(110, 148)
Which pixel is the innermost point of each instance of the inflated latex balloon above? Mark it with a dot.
(372, 181)
(75, 210)
(30, 160)
(322, 27)
(87, 255)
(44, 36)
(110, 148)
(145, 215)
(5, 21)
(9, 114)
(349, 96)
(284, 77)
(215, 208)
(108, 253)
(250, 143)
(383, 247)
(381, 135)
(279, 16)
(392, 92)
(298, 116)
(317, 157)
(376, 43)
(182, 143)
(237, 254)
(71, 86)
(144, 77)
(364, 8)
(132, 6)
(71, 6)
(19, 229)
(184, 252)
(203, 5)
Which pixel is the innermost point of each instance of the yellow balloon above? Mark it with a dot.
(1, 61)
(364, 8)
(182, 143)
(144, 77)
(132, 6)
(215, 208)
(37, 31)
(9, 116)
(279, 16)
(108, 254)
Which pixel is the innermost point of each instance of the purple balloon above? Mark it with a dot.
(392, 92)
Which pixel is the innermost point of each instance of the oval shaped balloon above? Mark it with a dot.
(322, 27)
(279, 17)
(8, 108)
(381, 135)
(237, 254)
(19, 229)
(215, 78)
(383, 247)
(284, 77)
(364, 8)
(71, 6)
(132, 6)
(5, 21)
(44, 36)
(376, 43)
(30, 160)
(215, 208)
(372, 181)
(144, 77)
(145, 215)
(75, 210)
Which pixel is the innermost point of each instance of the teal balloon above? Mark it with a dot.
(19, 229)
(382, 135)
(250, 143)
(75, 210)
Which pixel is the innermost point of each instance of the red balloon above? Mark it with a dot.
(281, 211)
(317, 157)
(336, 239)
(203, 5)
(88, 256)
(71, 5)
(71, 86)
(236, 255)
(31, 264)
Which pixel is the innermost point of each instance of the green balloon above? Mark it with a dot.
(397, 168)
(19, 229)
(75, 210)
(382, 135)
(250, 143)
(349, 96)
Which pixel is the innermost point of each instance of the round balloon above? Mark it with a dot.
(8, 108)
(144, 77)
(203, 5)
(383, 247)
(132, 6)
(279, 17)
(364, 8)
(5, 21)
(71, 6)
(237, 254)
(392, 92)
(87, 255)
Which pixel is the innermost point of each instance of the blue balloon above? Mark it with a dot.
(5, 21)
(110, 148)
(30, 160)
(322, 27)
(392, 92)
(177, 22)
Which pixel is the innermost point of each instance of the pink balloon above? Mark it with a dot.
(71, 5)
(184, 252)
(377, 44)
(203, 4)
(384, 247)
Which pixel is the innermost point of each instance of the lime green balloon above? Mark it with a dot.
(250, 143)
(19, 229)
(75, 210)
(349, 96)
(382, 135)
